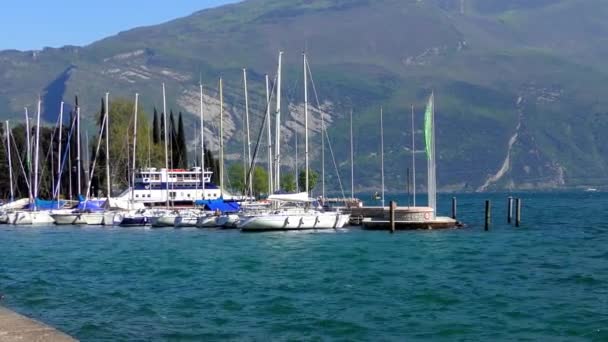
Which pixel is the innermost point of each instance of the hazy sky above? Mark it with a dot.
(34, 24)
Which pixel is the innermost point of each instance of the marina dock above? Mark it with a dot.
(405, 218)
(15, 327)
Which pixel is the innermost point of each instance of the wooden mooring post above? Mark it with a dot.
(488, 218)
(391, 213)
(454, 207)
(518, 212)
(509, 210)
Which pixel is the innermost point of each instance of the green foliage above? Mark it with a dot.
(288, 182)
(155, 128)
(121, 145)
(313, 178)
(236, 179)
(260, 181)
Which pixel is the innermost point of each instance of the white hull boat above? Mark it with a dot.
(186, 221)
(294, 221)
(228, 221)
(163, 221)
(30, 217)
(68, 218)
(93, 219)
(207, 222)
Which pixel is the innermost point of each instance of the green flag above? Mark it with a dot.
(428, 126)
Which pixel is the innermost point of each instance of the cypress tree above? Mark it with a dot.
(173, 140)
(181, 143)
(155, 132)
(162, 127)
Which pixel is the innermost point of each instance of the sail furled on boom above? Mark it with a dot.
(429, 138)
(428, 126)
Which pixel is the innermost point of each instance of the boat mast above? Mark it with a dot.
(107, 115)
(270, 167)
(250, 180)
(413, 160)
(202, 119)
(36, 160)
(59, 166)
(166, 152)
(29, 154)
(134, 148)
(352, 159)
(221, 139)
(432, 180)
(78, 163)
(277, 173)
(10, 164)
(306, 159)
(382, 152)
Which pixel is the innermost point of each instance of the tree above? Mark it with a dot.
(260, 181)
(212, 164)
(182, 149)
(155, 130)
(162, 127)
(235, 175)
(288, 182)
(312, 180)
(121, 144)
(173, 148)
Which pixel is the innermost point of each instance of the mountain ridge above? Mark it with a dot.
(498, 68)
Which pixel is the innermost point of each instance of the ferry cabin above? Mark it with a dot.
(152, 186)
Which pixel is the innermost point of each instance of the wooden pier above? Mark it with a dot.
(15, 327)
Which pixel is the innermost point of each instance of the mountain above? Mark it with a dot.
(518, 83)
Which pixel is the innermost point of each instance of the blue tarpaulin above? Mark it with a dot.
(91, 205)
(219, 204)
(45, 204)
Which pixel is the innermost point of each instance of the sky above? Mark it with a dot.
(34, 24)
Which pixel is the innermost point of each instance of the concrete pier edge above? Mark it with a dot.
(16, 327)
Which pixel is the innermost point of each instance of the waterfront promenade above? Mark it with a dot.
(15, 327)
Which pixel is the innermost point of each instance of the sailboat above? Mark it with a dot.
(37, 212)
(294, 211)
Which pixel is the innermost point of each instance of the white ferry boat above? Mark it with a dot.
(181, 186)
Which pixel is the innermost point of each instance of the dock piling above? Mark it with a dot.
(510, 210)
(488, 219)
(454, 207)
(392, 208)
(517, 212)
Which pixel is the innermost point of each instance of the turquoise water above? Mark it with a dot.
(545, 281)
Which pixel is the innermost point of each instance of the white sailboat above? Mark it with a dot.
(294, 211)
(34, 216)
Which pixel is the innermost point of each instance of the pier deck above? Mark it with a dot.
(15, 327)
(378, 218)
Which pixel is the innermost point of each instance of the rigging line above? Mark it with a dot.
(263, 126)
(20, 161)
(331, 151)
(46, 158)
(92, 168)
(65, 154)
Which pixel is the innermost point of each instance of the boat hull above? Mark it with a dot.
(67, 219)
(185, 221)
(30, 218)
(140, 221)
(163, 221)
(93, 219)
(207, 222)
(294, 222)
